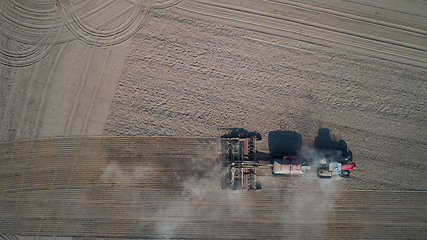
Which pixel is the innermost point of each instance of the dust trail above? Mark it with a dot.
(315, 207)
(191, 182)
(182, 196)
(198, 181)
(194, 208)
(313, 204)
(117, 174)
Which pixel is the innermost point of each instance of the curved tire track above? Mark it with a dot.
(139, 16)
(98, 37)
(31, 18)
(159, 5)
(35, 53)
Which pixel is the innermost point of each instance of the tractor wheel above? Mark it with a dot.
(345, 174)
(258, 185)
(321, 175)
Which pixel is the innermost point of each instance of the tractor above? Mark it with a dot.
(335, 163)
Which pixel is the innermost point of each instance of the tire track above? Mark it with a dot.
(72, 65)
(7, 94)
(90, 11)
(25, 17)
(95, 93)
(279, 45)
(30, 19)
(271, 24)
(36, 52)
(98, 37)
(86, 18)
(42, 10)
(45, 94)
(29, 94)
(115, 18)
(383, 8)
(310, 24)
(53, 30)
(348, 16)
(139, 17)
(166, 4)
(76, 102)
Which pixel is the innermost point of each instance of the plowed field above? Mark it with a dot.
(163, 187)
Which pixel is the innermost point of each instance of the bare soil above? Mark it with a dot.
(186, 75)
(194, 68)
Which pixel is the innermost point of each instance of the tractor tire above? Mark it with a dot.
(345, 174)
(320, 175)
(258, 185)
(324, 177)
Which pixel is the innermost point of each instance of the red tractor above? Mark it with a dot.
(335, 163)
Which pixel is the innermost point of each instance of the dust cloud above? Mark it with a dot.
(117, 174)
(194, 198)
(314, 201)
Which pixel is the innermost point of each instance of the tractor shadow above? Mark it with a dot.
(324, 140)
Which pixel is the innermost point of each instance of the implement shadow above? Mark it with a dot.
(239, 133)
